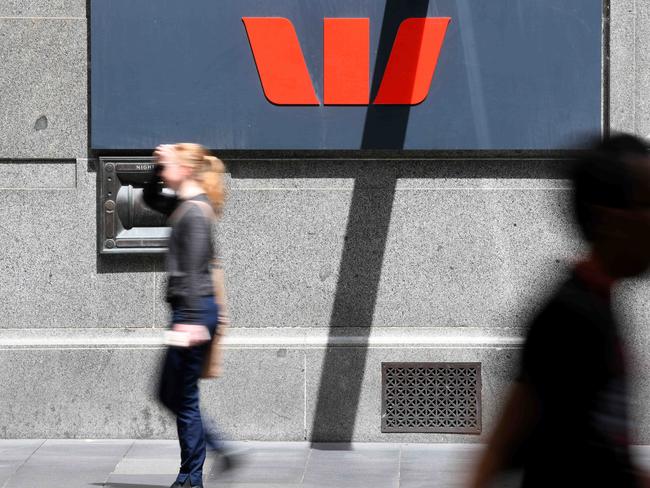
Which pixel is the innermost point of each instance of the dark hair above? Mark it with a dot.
(604, 177)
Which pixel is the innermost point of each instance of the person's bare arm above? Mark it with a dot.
(514, 425)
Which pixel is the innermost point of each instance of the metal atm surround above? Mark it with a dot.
(125, 224)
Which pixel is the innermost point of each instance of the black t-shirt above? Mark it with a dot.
(573, 360)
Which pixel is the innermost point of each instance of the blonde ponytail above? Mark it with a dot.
(207, 170)
(211, 180)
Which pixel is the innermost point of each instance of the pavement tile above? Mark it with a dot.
(153, 464)
(139, 481)
(443, 466)
(13, 453)
(430, 463)
(150, 463)
(355, 468)
(154, 449)
(162, 466)
(67, 463)
(215, 484)
(279, 466)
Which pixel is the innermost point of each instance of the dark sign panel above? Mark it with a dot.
(309, 74)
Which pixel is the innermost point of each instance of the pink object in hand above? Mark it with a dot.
(185, 335)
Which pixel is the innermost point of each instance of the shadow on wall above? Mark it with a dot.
(367, 226)
(357, 287)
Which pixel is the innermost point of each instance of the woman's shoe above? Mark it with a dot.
(230, 461)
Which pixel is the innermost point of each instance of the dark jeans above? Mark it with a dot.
(179, 392)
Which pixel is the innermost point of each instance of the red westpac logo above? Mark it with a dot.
(346, 61)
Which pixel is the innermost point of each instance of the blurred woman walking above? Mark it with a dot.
(195, 293)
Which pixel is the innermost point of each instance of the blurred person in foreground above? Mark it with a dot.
(565, 421)
(195, 293)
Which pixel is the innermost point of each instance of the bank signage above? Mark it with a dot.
(283, 74)
(346, 67)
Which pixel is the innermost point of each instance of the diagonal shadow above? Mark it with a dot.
(363, 252)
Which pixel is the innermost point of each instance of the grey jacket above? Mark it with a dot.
(191, 250)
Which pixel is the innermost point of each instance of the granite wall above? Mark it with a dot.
(335, 264)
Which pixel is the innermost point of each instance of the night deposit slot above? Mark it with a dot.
(126, 224)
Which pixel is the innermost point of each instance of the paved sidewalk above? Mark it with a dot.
(153, 464)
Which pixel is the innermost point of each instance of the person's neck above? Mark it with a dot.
(594, 272)
(189, 189)
(605, 261)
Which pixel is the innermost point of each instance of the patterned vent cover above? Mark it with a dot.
(431, 397)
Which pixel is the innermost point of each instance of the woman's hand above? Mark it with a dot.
(198, 334)
(223, 320)
(164, 152)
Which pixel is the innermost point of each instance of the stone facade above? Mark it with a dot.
(335, 264)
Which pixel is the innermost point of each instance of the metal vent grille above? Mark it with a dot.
(431, 397)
